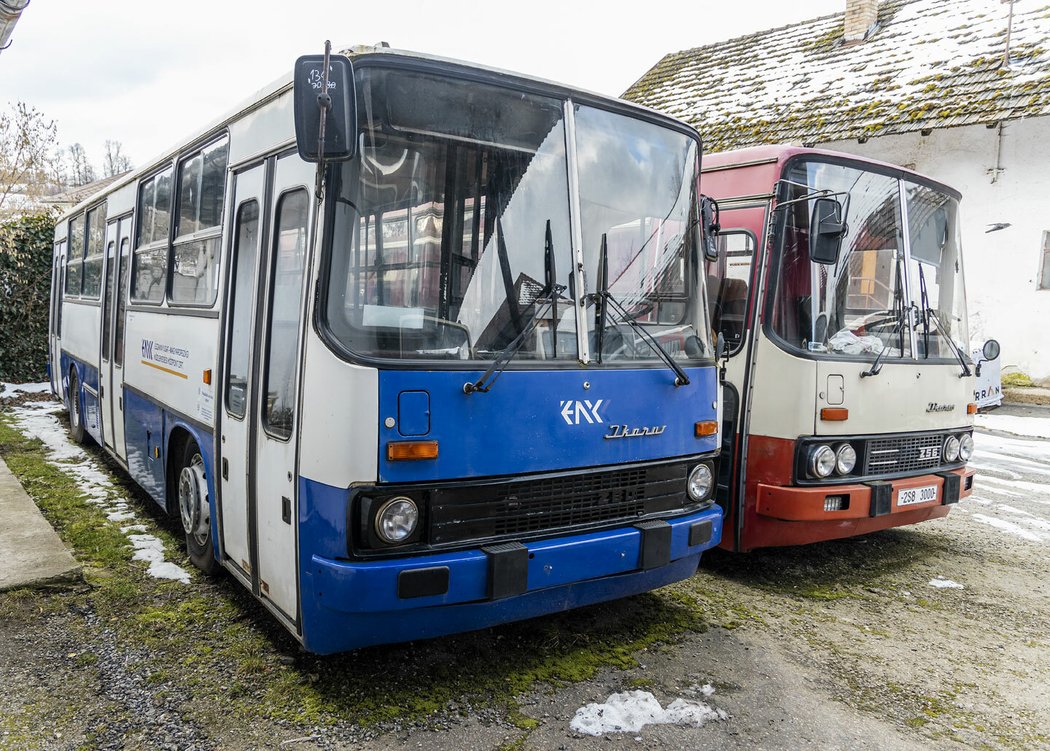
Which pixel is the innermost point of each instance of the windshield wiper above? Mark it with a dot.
(604, 299)
(899, 309)
(927, 313)
(549, 295)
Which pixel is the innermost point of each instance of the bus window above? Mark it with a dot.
(96, 239)
(728, 280)
(245, 252)
(122, 302)
(150, 269)
(75, 259)
(288, 263)
(195, 268)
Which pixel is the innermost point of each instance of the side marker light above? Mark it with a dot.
(407, 451)
(834, 414)
(971, 409)
(702, 429)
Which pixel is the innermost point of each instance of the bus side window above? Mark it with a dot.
(727, 281)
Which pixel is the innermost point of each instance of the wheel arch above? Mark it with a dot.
(179, 433)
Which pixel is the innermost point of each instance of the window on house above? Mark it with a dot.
(1044, 262)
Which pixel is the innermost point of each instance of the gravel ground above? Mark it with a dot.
(857, 644)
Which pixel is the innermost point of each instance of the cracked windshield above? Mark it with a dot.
(876, 296)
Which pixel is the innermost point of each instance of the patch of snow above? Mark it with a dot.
(1009, 527)
(1037, 427)
(39, 420)
(9, 389)
(630, 711)
(941, 583)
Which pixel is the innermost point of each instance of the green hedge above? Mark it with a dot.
(25, 288)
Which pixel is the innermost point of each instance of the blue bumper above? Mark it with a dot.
(347, 605)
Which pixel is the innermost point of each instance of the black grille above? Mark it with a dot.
(903, 454)
(520, 508)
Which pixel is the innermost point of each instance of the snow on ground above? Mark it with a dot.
(630, 711)
(941, 583)
(1037, 427)
(1013, 476)
(10, 389)
(39, 420)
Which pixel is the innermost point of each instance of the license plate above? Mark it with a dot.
(911, 496)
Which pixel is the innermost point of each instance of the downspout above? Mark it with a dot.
(10, 10)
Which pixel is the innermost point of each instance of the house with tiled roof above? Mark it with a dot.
(956, 89)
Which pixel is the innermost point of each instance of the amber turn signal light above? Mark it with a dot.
(206, 377)
(834, 414)
(407, 451)
(709, 427)
(971, 409)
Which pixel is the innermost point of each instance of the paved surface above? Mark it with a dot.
(30, 551)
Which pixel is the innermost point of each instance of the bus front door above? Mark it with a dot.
(261, 350)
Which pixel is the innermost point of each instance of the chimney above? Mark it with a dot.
(861, 16)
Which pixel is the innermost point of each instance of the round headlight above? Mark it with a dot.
(845, 459)
(701, 482)
(951, 449)
(821, 461)
(965, 447)
(396, 520)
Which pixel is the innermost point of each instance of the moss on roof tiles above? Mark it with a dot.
(931, 63)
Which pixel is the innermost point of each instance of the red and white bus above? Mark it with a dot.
(848, 390)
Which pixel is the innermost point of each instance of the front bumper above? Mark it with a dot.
(862, 500)
(352, 604)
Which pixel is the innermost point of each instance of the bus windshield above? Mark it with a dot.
(440, 236)
(896, 290)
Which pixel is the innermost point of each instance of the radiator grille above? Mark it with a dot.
(561, 502)
(903, 454)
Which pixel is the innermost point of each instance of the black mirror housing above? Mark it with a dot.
(709, 216)
(340, 134)
(827, 227)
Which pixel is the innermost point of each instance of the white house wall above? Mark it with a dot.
(1002, 267)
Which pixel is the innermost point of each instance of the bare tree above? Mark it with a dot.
(29, 160)
(80, 170)
(115, 161)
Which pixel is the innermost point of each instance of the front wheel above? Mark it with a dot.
(195, 510)
(76, 416)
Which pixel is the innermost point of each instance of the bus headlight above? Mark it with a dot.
(845, 459)
(821, 461)
(396, 520)
(951, 449)
(701, 483)
(965, 447)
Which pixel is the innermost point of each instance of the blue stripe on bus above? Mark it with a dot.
(534, 421)
(352, 604)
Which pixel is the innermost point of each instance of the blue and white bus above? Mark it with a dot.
(460, 378)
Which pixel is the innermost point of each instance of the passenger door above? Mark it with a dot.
(262, 343)
(111, 374)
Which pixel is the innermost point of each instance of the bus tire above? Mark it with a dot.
(76, 416)
(191, 489)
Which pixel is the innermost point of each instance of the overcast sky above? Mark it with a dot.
(148, 73)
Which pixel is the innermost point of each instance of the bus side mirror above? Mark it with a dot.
(827, 227)
(340, 102)
(710, 227)
(989, 352)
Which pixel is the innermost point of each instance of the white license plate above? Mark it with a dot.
(911, 496)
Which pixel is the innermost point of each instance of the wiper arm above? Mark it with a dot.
(876, 368)
(927, 313)
(899, 309)
(604, 299)
(549, 295)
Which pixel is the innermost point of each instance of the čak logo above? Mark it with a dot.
(572, 411)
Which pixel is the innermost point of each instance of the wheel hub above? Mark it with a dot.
(193, 500)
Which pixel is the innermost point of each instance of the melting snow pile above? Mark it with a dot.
(38, 420)
(941, 583)
(630, 711)
(10, 389)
